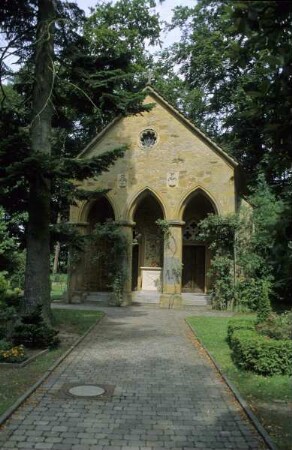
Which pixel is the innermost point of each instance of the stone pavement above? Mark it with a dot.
(161, 393)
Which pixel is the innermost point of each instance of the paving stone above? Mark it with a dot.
(165, 393)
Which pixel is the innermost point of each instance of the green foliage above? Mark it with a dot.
(8, 295)
(261, 355)
(8, 245)
(264, 306)
(237, 55)
(113, 254)
(276, 326)
(219, 231)
(164, 227)
(247, 294)
(123, 28)
(87, 71)
(8, 317)
(33, 332)
(239, 324)
(223, 283)
(252, 260)
(9, 303)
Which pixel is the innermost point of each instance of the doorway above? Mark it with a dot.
(193, 274)
(147, 253)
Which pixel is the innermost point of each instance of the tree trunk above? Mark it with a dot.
(57, 251)
(37, 274)
(56, 258)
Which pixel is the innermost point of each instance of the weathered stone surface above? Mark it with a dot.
(181, 164)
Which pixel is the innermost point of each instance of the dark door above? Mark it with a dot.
(135, 267)
(193, 276)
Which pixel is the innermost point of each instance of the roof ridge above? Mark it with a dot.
(150, 88)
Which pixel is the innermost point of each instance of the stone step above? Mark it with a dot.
(102, 298)
(148, 297)
(193, 299)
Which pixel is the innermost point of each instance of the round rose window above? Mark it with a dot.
(148, 138)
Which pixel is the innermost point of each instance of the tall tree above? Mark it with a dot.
(75, 91)
(37, 273)
(237, 56)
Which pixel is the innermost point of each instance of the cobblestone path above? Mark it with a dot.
(161, 392)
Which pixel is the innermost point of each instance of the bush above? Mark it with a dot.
(264, 306)
(239, 324)
(247, 294)
(8, 317)
(276, 326)
(223, 290)
(33, 332)
(10, 353)
(260, 354)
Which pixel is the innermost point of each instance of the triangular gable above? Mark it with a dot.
(179, 116)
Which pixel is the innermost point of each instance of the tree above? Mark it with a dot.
(37, 271)
(237, 56)
(75, 91)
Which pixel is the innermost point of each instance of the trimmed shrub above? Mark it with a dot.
(264, 306)
(239, 324)
(33, 332)
(260, 354)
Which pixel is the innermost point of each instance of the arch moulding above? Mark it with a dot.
(135, 199)
(193, 192)
(86, 206)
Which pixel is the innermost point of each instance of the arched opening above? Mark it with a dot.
(147, 260)
(195, 255)
(95, 274)
(100, 211)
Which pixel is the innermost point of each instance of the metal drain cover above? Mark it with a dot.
(86, 391)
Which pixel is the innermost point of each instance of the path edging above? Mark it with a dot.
(250, 415)
(30, 391)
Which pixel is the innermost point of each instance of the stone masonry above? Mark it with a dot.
(182, 171)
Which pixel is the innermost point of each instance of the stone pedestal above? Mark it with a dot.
(151, 278)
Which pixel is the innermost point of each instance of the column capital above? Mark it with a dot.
(125, 223)
(79, 224)
(176, 223)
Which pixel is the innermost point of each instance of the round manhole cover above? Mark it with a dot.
(86, 391)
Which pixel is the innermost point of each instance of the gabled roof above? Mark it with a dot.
(177, 114)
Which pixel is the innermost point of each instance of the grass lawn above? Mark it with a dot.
(57, 289)
(15, 381)
(269, 397)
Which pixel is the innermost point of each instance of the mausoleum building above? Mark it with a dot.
(170, 171)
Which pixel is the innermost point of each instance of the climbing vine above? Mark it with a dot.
(113, 254)
(165, 228)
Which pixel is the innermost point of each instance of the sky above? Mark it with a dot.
(163, 9)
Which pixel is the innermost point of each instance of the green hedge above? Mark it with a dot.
(260, 354)
(239, 324)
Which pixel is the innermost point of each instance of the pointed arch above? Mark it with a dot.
(191, 194)
(134, 202)
(87, 206)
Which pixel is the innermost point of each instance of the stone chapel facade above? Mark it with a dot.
(171, 171)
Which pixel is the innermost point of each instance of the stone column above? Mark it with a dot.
(75, 294)
(127, 230)
(172, 267)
